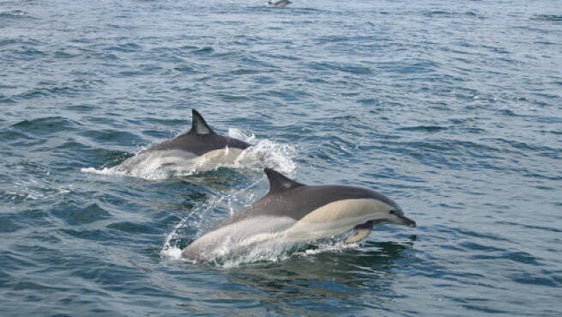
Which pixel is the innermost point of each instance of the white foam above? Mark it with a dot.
(171, 252)
(280, 250)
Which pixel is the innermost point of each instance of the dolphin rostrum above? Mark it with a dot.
(294, 212)
(200, 143)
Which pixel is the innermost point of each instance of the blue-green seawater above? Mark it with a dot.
(451, 108)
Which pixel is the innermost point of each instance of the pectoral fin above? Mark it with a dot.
(360, 232)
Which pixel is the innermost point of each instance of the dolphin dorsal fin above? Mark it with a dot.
(198, 124)
(279, 182)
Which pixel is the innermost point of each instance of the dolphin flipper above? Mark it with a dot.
(360, 232)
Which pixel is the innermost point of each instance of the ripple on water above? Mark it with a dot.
(556, 18)
(9, 222)
(73, 214)
(133, 228)
(14, 14)
(45, 124)
(112, 137)
(89, 234)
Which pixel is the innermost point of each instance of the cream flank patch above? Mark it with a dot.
(336, 218)
(347, 208)
(221, 156)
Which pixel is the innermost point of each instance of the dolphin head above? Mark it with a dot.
(389, 212)
(333, 202)
(328, 209)
(382, 210)
(397, 217)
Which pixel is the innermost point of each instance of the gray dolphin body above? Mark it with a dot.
(294, 212)
(200, 142)
(279, 3)
(201, 139)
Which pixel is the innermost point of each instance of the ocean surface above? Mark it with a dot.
(451, 108)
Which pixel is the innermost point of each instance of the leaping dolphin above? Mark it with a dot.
(295, 212)
(200, 143)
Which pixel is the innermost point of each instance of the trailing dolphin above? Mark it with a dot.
(279, 3)
(198, 149)
(292, 212)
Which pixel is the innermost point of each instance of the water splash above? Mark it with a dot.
(171, 248)
(264, 153)
(274, 251)
(230, 200)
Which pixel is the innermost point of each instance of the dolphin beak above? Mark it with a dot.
(406, 221)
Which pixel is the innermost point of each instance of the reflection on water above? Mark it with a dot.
(340, 279)
(299, 283)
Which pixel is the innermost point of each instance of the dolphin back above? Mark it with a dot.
(200, 139)
(298, 202)
(200, 144)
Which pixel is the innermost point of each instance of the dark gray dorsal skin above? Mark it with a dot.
(200, 139)
(279, 3)
(287, 198)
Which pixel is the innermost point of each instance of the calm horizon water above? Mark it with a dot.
(451, 108)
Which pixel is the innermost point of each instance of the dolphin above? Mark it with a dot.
(279, 3)
(292, 212)
(200, 143)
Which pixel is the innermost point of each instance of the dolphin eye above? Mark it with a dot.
(392, 212)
